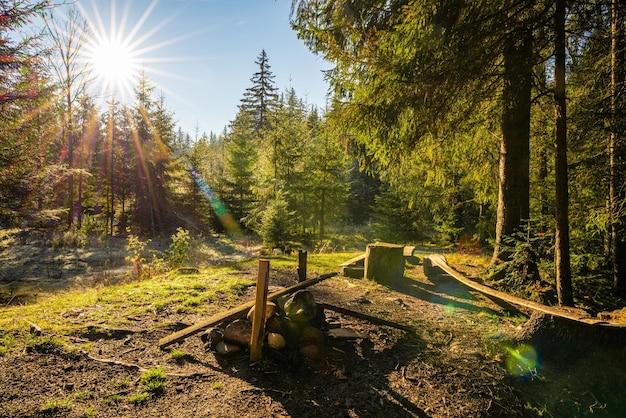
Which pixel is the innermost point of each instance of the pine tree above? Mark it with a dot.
(405, 70)
(261, 96)
(26, 124)
(240, 161)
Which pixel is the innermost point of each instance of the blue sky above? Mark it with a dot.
(201, 53)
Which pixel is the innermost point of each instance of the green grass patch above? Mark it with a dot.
(7, 343)
(89, 412)
(153, 380)
(57, 406)
(179, 355)
(139, 398)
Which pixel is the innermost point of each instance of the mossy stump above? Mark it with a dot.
(384, 263)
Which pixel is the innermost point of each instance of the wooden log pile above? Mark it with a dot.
(294, 322)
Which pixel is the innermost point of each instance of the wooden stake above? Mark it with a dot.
(302, 254)
(258, 319)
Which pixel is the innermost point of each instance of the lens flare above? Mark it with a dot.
(522, 361)
(449, 309)
(218, 207)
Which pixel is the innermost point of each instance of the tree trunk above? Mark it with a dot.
(561, 251)
(514, 184)
(617, 194)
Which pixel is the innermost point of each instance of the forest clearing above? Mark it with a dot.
(460, 193)
(453, 352)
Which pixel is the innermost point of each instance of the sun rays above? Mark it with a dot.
(116, 52)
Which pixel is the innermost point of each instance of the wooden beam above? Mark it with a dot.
(258, 318)
(437, 261)
(370, 318)
(235, 312)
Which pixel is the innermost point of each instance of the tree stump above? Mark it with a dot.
(384, 263)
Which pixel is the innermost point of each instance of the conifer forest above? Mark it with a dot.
(489, 128)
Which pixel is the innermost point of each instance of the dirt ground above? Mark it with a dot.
(448, 358)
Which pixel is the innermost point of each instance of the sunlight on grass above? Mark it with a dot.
(70, 311)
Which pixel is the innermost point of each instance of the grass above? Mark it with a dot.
(114, 303)
(71, 310)
(179, 355)
(139, 398)
(56, 406)
(89, 412)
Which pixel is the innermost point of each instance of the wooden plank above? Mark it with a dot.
(258, 318)
(235, 312)
(358, 260)
(370, 318)
(573, 314)
(354, 272)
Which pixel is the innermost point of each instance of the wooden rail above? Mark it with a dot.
(437, 261)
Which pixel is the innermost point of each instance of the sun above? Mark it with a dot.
(114, 51)
(114, 63)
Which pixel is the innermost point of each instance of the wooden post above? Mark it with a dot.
(258, 319)
(384, 263)
(302, 254)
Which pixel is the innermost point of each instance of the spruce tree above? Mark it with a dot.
(26, 124)
(261, 96)
(240, 161)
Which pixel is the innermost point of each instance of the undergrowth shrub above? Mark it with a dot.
(177, 254)
(529, 251)
(160, 262)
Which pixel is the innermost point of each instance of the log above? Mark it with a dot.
(435, 262)
(370, 318)
(235, 312)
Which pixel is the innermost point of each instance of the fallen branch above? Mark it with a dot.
(233, 313)
(143, 369)
(115, 363)
(370, 318)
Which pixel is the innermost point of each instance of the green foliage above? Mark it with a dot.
(526, 250)
(277, 222)
(136, 247)
(177, 253)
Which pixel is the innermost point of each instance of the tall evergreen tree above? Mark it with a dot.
(26, 127)
(239, 164)
(261, 96)
(562, 250)
(154, 130)
(617, 147)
